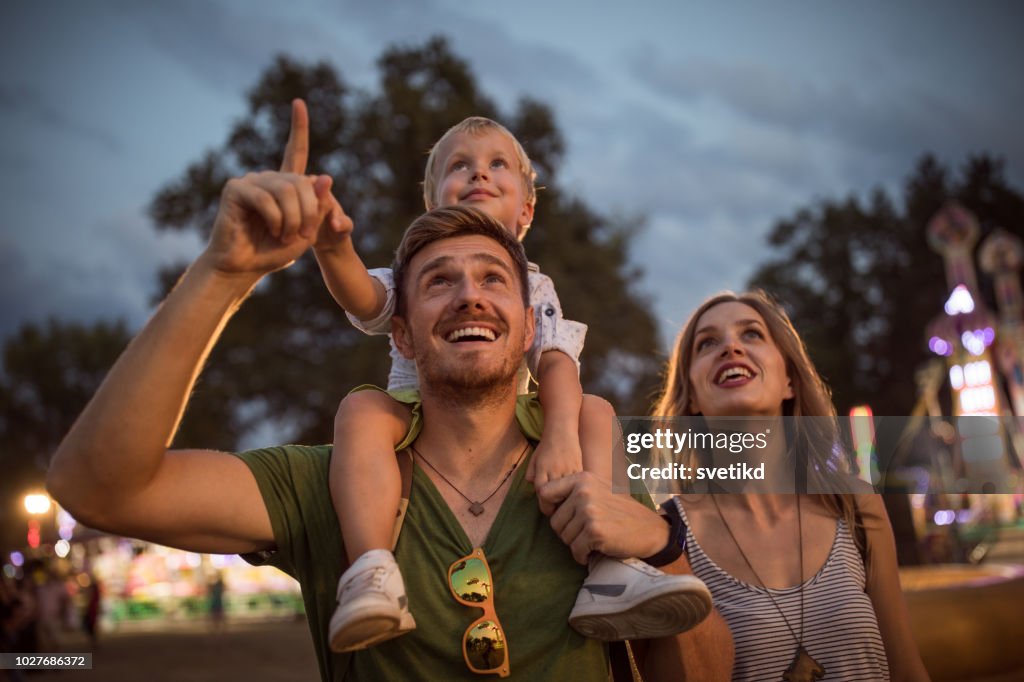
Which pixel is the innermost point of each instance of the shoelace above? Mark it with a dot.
(371, 578)
(643, 567)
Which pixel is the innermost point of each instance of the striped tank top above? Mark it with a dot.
(840, 628)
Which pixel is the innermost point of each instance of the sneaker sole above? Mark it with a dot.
(370, 631)
(657, 615)
(364, 633)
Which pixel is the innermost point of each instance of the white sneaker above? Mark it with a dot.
(629, 599)
(372, 606)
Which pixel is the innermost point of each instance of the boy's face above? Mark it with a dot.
(482, 170)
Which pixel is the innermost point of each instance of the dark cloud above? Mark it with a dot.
(507, 66)
(863, 116)
(707, 207)
(27, 103)
(226, 45)
(690, 260)
(105, 270)
(663, 167)
(712, 150)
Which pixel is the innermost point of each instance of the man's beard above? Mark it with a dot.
(465, 384)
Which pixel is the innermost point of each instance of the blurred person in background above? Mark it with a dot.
(52, 596)
(91, 609)
(215, 594)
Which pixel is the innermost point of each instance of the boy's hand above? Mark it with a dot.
(335, 230)
(558, 454)
(335, 227)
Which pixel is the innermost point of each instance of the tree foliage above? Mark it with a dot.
(49, 373)
(862, 284)
(289, 355)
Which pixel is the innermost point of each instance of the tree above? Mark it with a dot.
(289, 355)
(49, 373)
(861, 283)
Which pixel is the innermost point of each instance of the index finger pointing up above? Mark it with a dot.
(296, 152)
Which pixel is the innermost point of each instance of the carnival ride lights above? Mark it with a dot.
(960, 301)
(940, 346)
(967, 330)
(1002, 257)
(972, 339)
(976, 391)
(65, 525)
(862, 431)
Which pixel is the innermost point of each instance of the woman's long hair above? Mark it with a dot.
(813, 442)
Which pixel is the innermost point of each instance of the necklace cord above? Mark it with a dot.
(800, 545)
(455, 488)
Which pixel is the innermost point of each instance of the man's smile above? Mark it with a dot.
(471, 334)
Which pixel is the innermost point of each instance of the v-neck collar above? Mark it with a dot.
(518, 480)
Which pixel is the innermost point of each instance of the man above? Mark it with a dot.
(113, 470)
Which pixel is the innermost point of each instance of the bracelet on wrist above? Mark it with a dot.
(676, 536)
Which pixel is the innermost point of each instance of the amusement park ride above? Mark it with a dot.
(966, 507)
(982, 352)
(969, 479)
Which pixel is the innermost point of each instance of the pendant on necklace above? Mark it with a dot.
(803, 668)
(476, 509)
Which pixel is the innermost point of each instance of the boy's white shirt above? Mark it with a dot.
(554, 332)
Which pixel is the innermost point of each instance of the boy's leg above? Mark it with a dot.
(364, 478)
(597, 421)
(628, 599)
(366, 487)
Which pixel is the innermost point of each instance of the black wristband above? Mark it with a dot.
(676, 536)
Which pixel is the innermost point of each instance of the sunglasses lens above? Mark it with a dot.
(471, 580)
(485, 646)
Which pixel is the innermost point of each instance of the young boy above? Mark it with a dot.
(481, 164)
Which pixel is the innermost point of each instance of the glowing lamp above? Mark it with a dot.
(940, 346)
(977, 400)
(37, 503)
(960, 301)
(978, 373)
(974, 342)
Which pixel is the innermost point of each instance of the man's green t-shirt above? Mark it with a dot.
(535, 577)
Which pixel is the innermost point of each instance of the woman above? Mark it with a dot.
(807, 583)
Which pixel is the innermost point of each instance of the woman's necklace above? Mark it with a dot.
(475, 508)
(803, 668)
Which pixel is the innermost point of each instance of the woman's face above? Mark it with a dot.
(736, 368)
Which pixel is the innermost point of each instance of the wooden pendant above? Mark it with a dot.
(803, 668)
(476, 509)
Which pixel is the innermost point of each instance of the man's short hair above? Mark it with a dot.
(475, 125)
(447, 223)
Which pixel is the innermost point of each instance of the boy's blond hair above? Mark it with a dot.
(475, 125)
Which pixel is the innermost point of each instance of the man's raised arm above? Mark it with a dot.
(113, 470)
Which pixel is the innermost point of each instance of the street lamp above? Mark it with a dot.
(36, 504)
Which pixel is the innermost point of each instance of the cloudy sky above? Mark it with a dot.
(711, 119)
